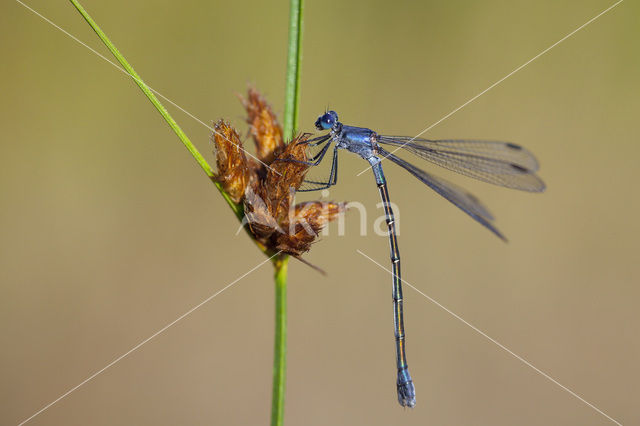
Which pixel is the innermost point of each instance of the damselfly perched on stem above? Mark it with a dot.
(500, 163)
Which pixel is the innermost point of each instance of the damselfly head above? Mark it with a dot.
(327, 120)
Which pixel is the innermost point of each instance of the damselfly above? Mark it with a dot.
(500, 163)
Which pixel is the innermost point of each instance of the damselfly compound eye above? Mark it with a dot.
(326, 120)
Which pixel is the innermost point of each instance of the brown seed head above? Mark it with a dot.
(268, 201)
(306, 223)
(233, 171)
(267, 192)
(263, 126)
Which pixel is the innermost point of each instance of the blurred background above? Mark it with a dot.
(109, 230)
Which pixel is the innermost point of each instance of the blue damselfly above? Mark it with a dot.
(500, 163)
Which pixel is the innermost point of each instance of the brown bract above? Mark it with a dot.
(263, 125)
(267, 188)
(233, 171)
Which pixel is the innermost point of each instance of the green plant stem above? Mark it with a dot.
(237, 208)
(294, 58)
(291, 106)
(280, 342)
(292, 98)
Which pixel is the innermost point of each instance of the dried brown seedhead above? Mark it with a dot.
(263, 126)
(273, 218)
(267, 189)
(233, 171)
(308, 220)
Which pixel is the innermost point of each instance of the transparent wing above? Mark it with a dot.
(464, 200)
(500, 163)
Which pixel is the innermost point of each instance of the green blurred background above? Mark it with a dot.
(109, 230)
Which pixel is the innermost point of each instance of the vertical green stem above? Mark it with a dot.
(291, 105)
(280, 345)
(294, 58)
(292, 98)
